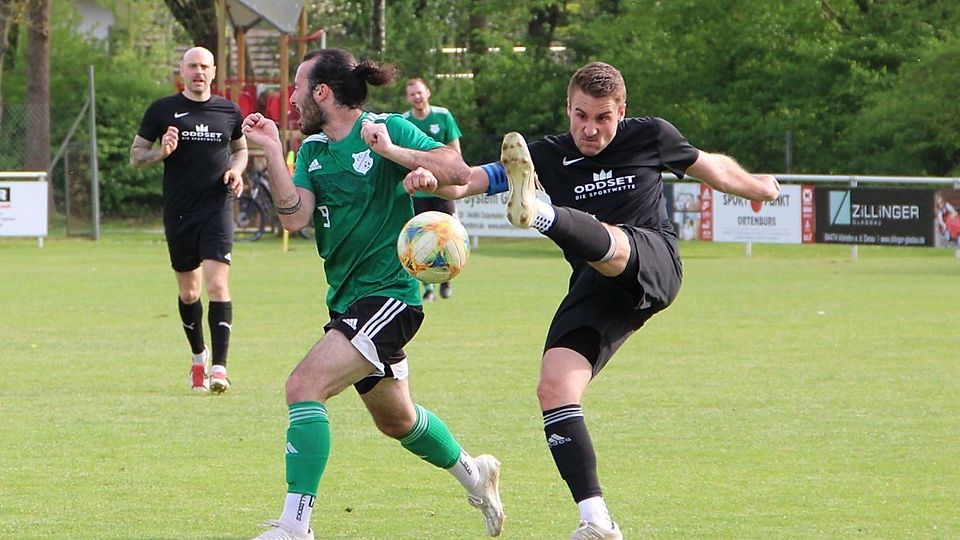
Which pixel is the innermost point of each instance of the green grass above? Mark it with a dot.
(798, 393)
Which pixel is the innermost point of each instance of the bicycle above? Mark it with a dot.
(253, 210)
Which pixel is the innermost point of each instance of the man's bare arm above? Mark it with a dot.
(724, 174)
(238, 154)
(142, 153)
(233, 177)
(421, 179)
(444, 162)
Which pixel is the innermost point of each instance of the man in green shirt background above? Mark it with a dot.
(438, 123)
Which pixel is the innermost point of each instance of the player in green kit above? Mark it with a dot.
(349, 179)
(438, 123)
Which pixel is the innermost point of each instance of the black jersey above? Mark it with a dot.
(193, 173)
(622, 184)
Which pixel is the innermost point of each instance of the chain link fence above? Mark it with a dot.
(71, 175)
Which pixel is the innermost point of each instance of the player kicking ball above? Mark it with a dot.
(609, 217)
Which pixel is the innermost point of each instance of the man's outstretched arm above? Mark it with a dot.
(724, 174)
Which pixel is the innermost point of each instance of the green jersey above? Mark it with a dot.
(439, 125)
(361, 207)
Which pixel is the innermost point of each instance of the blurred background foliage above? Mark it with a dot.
(862, 86)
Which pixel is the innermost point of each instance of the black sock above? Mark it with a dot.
(579, 234)
(191, 315)
(220, 320)
(572, 450)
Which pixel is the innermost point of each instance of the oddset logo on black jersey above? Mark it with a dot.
(201, 133)
(603, 183)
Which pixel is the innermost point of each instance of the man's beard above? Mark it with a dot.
(312, 118)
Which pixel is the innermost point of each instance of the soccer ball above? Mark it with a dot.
(433, 247)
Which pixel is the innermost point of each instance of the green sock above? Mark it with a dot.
(431, 440)
(308, 446)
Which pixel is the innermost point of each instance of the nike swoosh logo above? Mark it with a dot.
(180, 114)
(570, 161)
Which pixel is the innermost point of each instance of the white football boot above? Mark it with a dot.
(219, 383)
(276, 531)
(521, 180)
(489, 503)
(593, 531)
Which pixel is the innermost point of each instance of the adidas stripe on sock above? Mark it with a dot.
(572, 450)
(308, 446)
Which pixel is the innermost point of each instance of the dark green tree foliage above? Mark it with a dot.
(9, 12)
(198, 18)
(125, 86)
(864, 86)
(912, 128)
(735, 75)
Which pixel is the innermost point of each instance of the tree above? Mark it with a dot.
(9, 11)
(38, 88)
(199, 19)
(378, 26)
(866, 87)
(735, 75)
(913, 128)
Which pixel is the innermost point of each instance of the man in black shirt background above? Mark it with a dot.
(608, 215)
(204, 154)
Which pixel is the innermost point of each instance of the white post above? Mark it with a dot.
(853, 249)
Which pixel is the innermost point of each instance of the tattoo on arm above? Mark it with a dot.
(143, 153)
(289, 210)
(140, 156)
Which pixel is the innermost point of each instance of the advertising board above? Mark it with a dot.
(882, 216)
(23, 209)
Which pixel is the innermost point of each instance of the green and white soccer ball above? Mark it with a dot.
(433, 247)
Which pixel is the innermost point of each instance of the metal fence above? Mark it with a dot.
(73, 167)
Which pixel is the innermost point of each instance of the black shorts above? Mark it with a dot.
(599, 313)
(425, 204)
(379, 327)
(193, 238)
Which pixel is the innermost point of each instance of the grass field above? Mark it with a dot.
(798, 393)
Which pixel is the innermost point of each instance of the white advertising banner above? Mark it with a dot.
(736, 219)
(686, 209)
(484, 215)
(23, 208)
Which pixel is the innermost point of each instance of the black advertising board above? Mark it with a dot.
(883, 216)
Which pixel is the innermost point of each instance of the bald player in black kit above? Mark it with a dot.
(204, 154)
